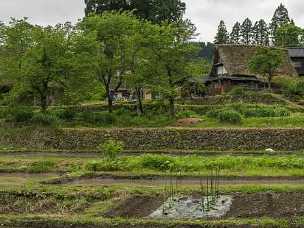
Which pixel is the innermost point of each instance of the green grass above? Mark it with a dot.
(82, 221)
(296, 120)
(289, 165)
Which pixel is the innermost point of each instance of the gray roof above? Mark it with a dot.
(296, 52)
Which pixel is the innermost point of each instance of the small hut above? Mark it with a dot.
(230, 68)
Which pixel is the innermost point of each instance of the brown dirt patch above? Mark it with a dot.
(267, 204)
(136, 207)
(255, 205)
(186, 122)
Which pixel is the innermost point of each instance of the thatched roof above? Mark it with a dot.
(235, 59)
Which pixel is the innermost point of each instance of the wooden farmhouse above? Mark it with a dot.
(297, 57)
(230, 68)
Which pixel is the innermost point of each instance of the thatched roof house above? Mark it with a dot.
(230, 67)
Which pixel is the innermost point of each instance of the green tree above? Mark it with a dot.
(101, 6)
(16, 39)
(261, 33)
(288, 35)
(247, 32)
(167, 10)
(109, 49)
(39, 58)
(265, 62)
(222, 36)
(172, 59)
(235, 35)
(280, 17)
(153, 10)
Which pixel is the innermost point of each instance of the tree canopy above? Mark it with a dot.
(222, 36)
(265, 62)
(152, 10)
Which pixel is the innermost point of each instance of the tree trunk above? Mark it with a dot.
(43, 102)
(110, 100)
(269, 82)
(172, 106)
(140, 108)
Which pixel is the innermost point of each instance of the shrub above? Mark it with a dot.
(66, 114)
(20, 115)
(296, 88)
(44, 119)
(230, 116)
(158, 162)
(111, 149)
(105, 166)
(237, 91)
(266, 112)
(103, 118)
(186, 114)
(41, 167)
(214, 113)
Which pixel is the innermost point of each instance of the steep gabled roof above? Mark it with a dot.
(235, 59)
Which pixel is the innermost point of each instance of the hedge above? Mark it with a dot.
(155, 139)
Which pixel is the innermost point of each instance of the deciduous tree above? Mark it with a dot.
(109, 48)
(265, 62)
(152, 10)
(288, 35)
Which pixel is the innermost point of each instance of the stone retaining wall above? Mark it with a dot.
(152, 138)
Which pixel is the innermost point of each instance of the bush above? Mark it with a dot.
(230, 116)
(158, 162)
(266, 112)
(103, 118)
(237, 91)
(291, 86)
(214, 113)
(41, 167)
(186, 114)
(45, 119)
(296, 88)
(20, 115)
(105, 166)
(66, 114)
(111, 149)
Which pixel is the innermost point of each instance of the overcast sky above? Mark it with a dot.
(205, 14)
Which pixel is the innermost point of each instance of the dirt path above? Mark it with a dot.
(181, 181)
(17, 179)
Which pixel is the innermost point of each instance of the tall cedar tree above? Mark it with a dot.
(152, 10)
(280, 17)
(235, 35)
(261, 33)
(222, 36)
(247, 32)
